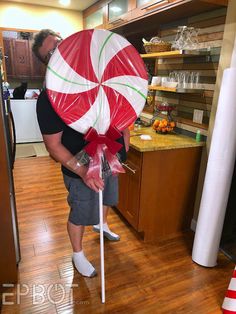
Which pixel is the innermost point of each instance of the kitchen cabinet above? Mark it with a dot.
(116, 8)
(129, 188)
(148, 7)
(94, 20)
(150, 4)
(157, 192)
(119, 12)
(8, 55)
(37, 68)
(96, 15)
(139, 15)
(20, 61)
(142, 2)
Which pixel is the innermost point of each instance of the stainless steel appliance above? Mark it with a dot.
(7, 150)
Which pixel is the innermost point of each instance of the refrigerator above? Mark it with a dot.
(8, 213)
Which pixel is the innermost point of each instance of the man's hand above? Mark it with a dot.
(95, 184)
(61, 154)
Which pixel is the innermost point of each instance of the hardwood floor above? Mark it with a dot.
(141, 277)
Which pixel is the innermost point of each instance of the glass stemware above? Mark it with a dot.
(186, 38)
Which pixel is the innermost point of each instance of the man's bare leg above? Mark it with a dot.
(81, 263)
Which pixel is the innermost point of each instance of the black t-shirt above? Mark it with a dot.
(51, 123)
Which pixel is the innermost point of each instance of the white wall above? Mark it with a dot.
(35, 17)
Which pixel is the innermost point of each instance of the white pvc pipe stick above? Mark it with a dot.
(218, 175)
(233, 58)
(101, 245)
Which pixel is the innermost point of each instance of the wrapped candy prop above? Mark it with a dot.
(97, 83)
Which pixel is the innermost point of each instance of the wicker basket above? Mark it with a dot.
(156, 47)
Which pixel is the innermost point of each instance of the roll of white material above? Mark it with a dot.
(218, 175)
(233, 58)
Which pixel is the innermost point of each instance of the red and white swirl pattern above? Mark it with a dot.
(96, 78)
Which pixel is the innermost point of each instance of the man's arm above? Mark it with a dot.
(58, 152)
(126, 134)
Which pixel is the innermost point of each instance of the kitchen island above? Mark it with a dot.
(157, 192)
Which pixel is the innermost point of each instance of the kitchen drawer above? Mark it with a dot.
(134, 157)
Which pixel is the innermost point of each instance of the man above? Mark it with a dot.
(63, 143)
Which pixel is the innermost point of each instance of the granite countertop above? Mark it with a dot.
(159, 141)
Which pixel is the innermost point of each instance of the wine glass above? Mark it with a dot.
(186, 38)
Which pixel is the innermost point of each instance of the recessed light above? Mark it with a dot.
(116, 9)
(64, 2)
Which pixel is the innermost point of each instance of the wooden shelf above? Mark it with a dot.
(176, 89)
(175, 54)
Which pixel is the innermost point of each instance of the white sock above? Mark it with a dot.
(107, 229)
(83, 266)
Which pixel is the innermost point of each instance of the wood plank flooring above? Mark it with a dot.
(140, 277)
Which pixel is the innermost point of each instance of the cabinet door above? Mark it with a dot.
(116, 8)
(38, 69)
(8, 55)
(21, 59)
(145, 7)
(129, 189)
(94, 20)
(141, 3)
(119, 12)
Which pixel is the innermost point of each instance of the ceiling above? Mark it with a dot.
(78, 5)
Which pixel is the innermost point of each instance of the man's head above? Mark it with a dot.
(45, 42)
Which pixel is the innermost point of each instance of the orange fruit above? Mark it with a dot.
(156, 122)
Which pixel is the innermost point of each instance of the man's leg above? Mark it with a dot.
(105, 213)
(80, 261)
(107, 232)
(76, 236)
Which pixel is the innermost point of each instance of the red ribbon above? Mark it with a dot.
(100, 145)
(109, 139)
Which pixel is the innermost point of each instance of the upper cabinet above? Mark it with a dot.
(21, 58)
(142, 2)
(119, 12)
(95, 16)
(145, 7)
(20, 61)
(94, 20)
(117, 8)
(114, 14)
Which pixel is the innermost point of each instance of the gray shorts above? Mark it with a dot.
(84, 202)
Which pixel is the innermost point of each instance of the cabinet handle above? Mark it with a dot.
(128, 167)
(154, 5)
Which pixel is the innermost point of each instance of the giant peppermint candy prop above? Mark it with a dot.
(97, 80)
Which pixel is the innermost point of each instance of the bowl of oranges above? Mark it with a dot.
(163, 126)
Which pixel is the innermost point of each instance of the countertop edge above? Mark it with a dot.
(142, 150)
